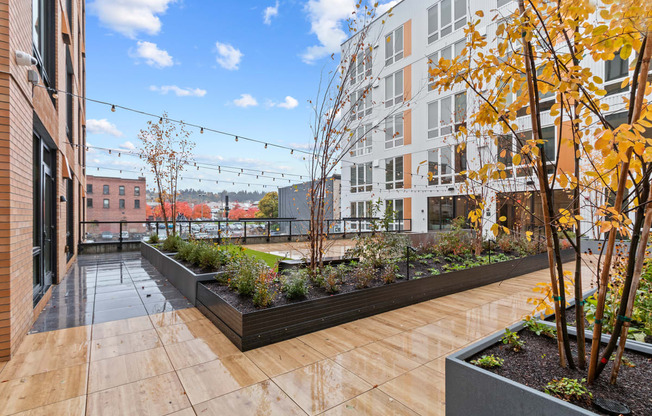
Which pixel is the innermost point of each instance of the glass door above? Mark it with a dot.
(44, 248)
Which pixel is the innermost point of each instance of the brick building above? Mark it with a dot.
(42, 144)
(115, 199)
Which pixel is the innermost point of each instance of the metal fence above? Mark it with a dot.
(133, 231)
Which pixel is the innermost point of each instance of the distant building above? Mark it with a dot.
(293, 203)
(115, 199)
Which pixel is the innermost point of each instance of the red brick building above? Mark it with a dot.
(42, 142)
(115, 199)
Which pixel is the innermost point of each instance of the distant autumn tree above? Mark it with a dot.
(201, 211)
(268, 206)
(167, 150)
(547, 51)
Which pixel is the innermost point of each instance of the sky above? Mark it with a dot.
(247, 67)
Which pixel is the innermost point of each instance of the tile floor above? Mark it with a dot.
(108, 287)
(178, 363)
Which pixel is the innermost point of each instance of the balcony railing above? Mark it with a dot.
(133, 231)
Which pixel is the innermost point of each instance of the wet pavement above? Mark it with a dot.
(108, 287)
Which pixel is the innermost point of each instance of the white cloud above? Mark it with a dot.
(178, 91)
(270, 11)
(129, 17)
(228, 56)
(301, 146)
(327, 18)
(102, 126)
(128, 145)
(289, 103)
(152, 55)
(245, 100)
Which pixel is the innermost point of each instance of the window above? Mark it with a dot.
(361, 103)
(122, 204)
(362, 66)
(394, 46)
(460, 163)
(440, 117)
(443, 209)
(394, 89)
(440, 166)
(444, 17)
(43, 38)
(361, 178)
(394, 131)
(501, 3)
(89, 202)
(121, 190)
(136, 190)
(394, 173)
(89, 188)
(460, 110)
(362, 141)
(106, 204)
(616, 68)
(106, 189)
(360, 209)
(548, 146)
(69, 100)
(395, 207)
(444, 53)
(136, 203)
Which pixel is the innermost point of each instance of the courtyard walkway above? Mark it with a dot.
(178, 363)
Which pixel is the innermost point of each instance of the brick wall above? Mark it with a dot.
(98, 213)
(19, 100)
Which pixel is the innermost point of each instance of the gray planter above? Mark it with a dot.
(184, 279)
(471, 390)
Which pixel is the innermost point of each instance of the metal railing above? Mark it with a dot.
(133, 231)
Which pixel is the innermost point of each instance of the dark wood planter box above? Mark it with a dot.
(181, 277)
(471, 390)
(267, 326)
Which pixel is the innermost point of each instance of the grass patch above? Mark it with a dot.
(270, 259)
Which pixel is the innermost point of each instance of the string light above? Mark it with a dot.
(201, 131)
(236, 138)
(265, 145)
(113, 108)
(292, 151)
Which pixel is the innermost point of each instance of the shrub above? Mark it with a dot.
(540, 329)
(184, 251)
(263, 294)
(363, 274)
(455, 242)
(488, 361)
(379, 247)
(331, 278)
(172, 243)
(242, 273)
(295, 284)
(389, 273)
(568, 389)
(513, 340)
(153, 239)
(196, 253)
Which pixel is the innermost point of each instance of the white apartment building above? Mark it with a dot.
(415, 125)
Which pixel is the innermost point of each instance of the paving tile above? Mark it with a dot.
(70, 338)
(116, 314)
(42, 389)
(319, 386)
(422, 390)
(439, 364)
(158, 395)
(215, 378)
(200, 350)
(124, 344)
(283, 356)
(420, 346)
(121, 327)
(335, 340)
(176, 317)
(185, 412)
(375, 363)
(127, 368)
(74, 406)
(44, 360)
(167, 306)
(119, 303)
(374, 402)
(263, 398)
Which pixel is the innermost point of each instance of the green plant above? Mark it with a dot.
(568, 389)
(242, 273)
(363, 274)
(263, 295)
(331, 278)
(295, 284)
(456, 241)
(153, 239)
(172, 243)
(184, 251)
(389, 273)
(540, 329)
(513, 340)
(488, 361)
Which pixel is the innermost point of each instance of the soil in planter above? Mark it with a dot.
(538, 363)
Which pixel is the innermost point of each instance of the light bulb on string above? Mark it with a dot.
(291, 151)
(201, 131)
(236, 138)
(113, 108)
(265, 145)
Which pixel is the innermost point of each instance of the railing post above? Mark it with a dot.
(290, 231)
(359, 226)
(269, 230)
(189, 228)
(407, 263)
(344, 228)
(120, 239)
(219, 232)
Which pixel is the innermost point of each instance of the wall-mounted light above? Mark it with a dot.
(62, 198)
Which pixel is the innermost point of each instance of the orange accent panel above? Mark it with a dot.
(407, 208)
(407, 127)
(65, 29)
(407, 171)
(407, 83)
(566, 153)
(407, 38)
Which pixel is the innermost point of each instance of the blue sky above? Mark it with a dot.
(246, 67)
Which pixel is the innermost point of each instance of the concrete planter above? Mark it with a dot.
(184, 279)
(471, 390)
(267, 326)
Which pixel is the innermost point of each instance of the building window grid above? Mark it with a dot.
(445, 53)
(394, 131)
(362, 67)
(394, 173)
(136, 203)
(360, 209)
(363, 141)
(89, 188)
(361, 178)
(89, 202)
(394, 46)
(395, 205)
(394, 89)
(106, 204)
(122, 204)
(121, 190)
(446, 114)
(445, 17)
(105, 189)
(136, 190)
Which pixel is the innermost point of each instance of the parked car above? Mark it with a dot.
(107, 235)
(124, 235)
